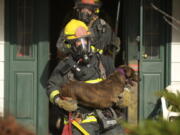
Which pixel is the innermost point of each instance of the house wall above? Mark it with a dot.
(1, 56)
(175, 52)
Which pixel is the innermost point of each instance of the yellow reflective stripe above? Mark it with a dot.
(100, 51)
(68, 45)
(96, 50)
(53, 94)
(89, 119)
(97, 10)
(93, 48)
(94, 81)
(65, 122)
(78, 126)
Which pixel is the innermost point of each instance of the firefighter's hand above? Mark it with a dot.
(67, 104)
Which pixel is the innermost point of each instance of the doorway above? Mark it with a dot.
(61, 11)
(136, 40)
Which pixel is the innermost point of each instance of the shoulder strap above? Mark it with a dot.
(101, 67)
(102, 70)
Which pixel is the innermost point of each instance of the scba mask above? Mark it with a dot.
(85, 15)
(81, 48)
(87, 9)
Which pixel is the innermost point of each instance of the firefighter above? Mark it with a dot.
(82, 64)
(102, 36)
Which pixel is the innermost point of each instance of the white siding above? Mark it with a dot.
(175, 52)
(175, 74)
(1, 57)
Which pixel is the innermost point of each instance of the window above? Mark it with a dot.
(24, 28)
(152, 31)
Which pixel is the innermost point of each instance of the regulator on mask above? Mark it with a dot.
(85, 16)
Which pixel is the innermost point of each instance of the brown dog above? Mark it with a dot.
(103, 94)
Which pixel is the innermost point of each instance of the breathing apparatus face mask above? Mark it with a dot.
(81, 49)
(85, 15)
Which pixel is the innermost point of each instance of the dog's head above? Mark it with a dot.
(129, 73)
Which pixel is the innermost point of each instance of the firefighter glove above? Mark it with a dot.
(67, 104)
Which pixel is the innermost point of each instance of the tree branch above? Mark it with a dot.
(170, 23)
(165, 14)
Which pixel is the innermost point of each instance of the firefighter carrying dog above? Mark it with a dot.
(83, 63)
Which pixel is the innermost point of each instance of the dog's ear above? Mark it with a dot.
(130, 73)
(133, 76)
(127, 70)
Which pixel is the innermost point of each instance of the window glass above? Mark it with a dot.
(151, 32)
(24, 28)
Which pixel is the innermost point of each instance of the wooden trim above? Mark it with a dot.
(168, 46)
(43, 57)
(140, 61)
(7, 57)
